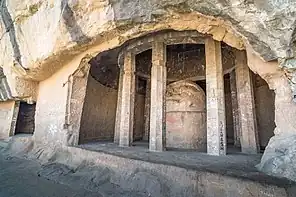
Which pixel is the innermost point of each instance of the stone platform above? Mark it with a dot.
(182, 173)
(173, 173)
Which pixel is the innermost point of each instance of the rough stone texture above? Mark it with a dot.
(246, 105)
(55, 179)
(279, 157)
(216, 121)
(185, 116)
(8, 116)
(157, 100)
(279, 147)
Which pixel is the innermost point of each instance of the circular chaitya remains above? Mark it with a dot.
(185, 116)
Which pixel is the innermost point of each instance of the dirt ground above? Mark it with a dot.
(20, 177)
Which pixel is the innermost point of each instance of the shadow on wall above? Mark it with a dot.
(10, 29)
(71, 24)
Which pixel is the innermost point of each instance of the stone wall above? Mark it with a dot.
(8, 116)
(51, 107)
(98, 116)
(99, 112)
(184, 61)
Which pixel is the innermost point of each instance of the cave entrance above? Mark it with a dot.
(153, 93)
(25, 123)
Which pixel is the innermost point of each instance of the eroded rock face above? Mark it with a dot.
(39, 36)
(279, 158)
(279, 155)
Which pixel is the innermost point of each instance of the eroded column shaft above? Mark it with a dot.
(216, 123)
(127, 101)
(158, 89)
(246, 106)
(235, 115)
(118, 107)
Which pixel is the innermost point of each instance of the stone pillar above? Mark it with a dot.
(118, 107)
(246, 106)
(15, 112)
(77, 86)
(158, 90)
(216, 123)
(126, 116)
(147, 110)
(235, 115)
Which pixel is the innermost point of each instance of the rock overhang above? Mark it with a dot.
(268, 31)
(56, 32)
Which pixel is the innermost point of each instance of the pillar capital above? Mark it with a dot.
(159, 54)
(129, 65)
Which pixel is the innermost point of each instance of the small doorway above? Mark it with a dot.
(25, 123)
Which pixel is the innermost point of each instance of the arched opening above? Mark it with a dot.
(99, 109)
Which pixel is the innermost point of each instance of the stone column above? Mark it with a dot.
(235, 115)
(158, 90)
(147, 110)
(125, 118)
(118, 107)
(77, 87)
(246, 106)
(216, 123)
